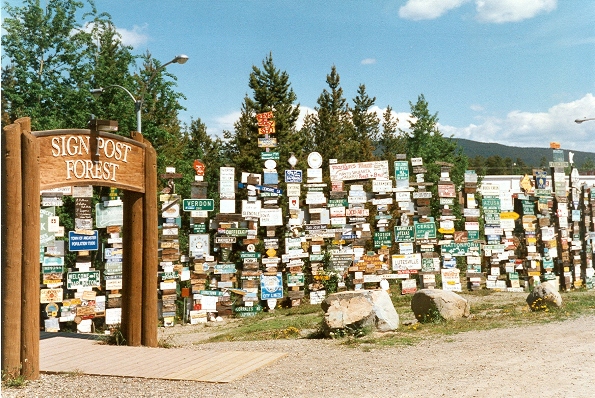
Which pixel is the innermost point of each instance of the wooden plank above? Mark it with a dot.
(63, 354)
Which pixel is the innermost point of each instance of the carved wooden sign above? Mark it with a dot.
(77, 157)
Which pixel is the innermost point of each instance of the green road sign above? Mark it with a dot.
(198, 204)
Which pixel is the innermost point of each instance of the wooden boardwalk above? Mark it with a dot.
(59, 354)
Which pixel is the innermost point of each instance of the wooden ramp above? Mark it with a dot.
(61, 354)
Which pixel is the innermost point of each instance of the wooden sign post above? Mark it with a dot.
(35, 161)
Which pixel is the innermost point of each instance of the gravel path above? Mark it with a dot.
(547, 360)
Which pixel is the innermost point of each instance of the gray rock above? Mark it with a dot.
(359, 309)
(543, 296)
(427, 304)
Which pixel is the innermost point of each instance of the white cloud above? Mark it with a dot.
(135, 37)
(428, 9)
(527, 129)
(368, 61)
(225, 122)
(490, 11)
(476, 108)
(403, 117)
(500, 11)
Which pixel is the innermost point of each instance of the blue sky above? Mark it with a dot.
(516, 72)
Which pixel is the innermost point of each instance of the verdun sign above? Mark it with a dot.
(41, 160)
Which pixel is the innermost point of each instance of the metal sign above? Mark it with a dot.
(293, 175)
(271, 286)
(82, 242)
(198, 204)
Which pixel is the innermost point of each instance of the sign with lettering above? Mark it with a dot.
(426, 230)
(271, 286)
(359, 171)
(82, 279)
(77, 158)
(82, 242)
(198, 204)
(293, 175)
(406, 263)
(108, 216)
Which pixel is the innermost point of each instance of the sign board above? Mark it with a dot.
(271, 217)
(359, 171)
(271, 286)
(294, 176)
(82, 242)
(108, 216)
(69, 156)
(269, 156)
(406, 263)
(198, 204)
(382, 239)
(82, 279)
(426, 230)
(404, 233)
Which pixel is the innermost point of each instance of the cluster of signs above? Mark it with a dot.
(73, 298)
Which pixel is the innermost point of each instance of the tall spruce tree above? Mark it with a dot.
(391, 142)
(365, 127)
(330, 129)
(271, 92)
(425, 140)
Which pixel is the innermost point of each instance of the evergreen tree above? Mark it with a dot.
(272, 92)
(391, 142)
(425, 140)
(366, 128)
(330, 129)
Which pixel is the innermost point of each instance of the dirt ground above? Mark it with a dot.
(539, 360)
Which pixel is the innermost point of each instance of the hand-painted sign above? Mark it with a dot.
(359, 171)
(82, 279)
(108, 216)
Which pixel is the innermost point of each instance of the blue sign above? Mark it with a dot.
(271, 286)
(81, 242)
(293, 175)
(262, 188)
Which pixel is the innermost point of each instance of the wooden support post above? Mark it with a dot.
(132, 268)
(150, 262)
(31, 267)
(12, 243)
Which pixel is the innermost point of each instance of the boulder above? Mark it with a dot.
(426, 304)
(359, 309)
(544, 296)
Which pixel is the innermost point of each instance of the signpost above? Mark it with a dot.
(198, 204)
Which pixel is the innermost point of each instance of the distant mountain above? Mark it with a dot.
(531, 156)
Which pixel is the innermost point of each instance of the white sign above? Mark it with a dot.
(251, 209)
(359, 171)
(405, 263)
(271, 217)
(293, 189)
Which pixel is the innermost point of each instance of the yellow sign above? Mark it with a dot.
(338, 242)
(446, 231)
(271, 252)
(509, 215)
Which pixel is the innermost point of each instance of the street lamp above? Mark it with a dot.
(579, 121)
(138, 102)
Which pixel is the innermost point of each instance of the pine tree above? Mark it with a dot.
(425, 140)
(330, 129)
(366, 127)
(271, 92)
(390, 142)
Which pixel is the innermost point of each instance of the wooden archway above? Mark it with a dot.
(32, 161)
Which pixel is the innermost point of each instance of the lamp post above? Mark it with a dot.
(138, 102)
(579, 121)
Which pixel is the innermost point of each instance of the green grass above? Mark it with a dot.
(13, 379)
(489, 310)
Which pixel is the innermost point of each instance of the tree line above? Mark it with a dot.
(56, 52)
